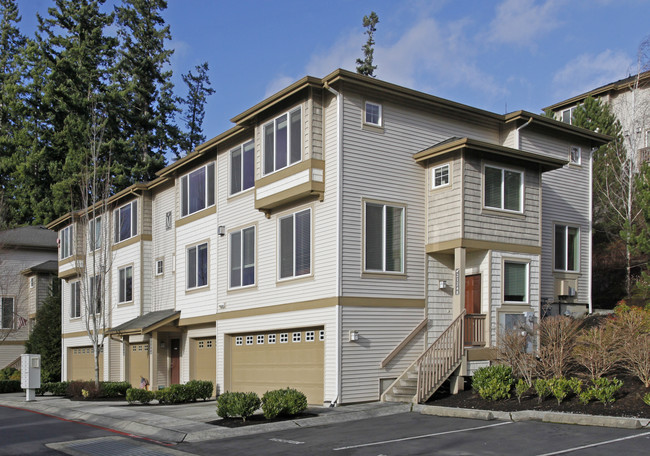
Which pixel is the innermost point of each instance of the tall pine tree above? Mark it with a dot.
(198, 90)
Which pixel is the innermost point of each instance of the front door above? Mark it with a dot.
(175, 361)
(474, 323)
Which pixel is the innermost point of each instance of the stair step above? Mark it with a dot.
(399, 398)
(399, 390)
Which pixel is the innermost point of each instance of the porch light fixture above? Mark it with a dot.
(221, 231)
(354, 336)
(442, 285)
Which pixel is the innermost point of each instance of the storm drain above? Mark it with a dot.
(111, 446)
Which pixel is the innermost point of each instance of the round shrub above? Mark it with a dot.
(237, 404)
(494, 382)
(139, 395)
(287, 402)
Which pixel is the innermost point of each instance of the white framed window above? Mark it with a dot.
(249, 340)
(197, 190)
(515, 281)
(95, 284)
(125, 284)
(65, 242)
(575, 155)
(295, 337)
(242, 167)
(160, 267)
(282, 141)
(504, 189)
(7, 320)
(95, 233)
(373, 114)
(260, 339)
(271, 338)
(310, 336)
(197, 266)
(321, 335)
(32, 282)
(242, 257)
(567, 115)
(384, 238)
(126, 221)
(567, 248)
(284, 338)
(239, 340)
(75, 299)
(295, 244)
(440, 176)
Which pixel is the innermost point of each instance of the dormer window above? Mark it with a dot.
(282, 141)
(126, 221)
(197, 190)
(373, 114)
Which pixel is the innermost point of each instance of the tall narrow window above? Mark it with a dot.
(95, 294)
(515, 282)
(384, 238)
(242, 257)
(295, 244)
(567, 248)
(75, 299)
(126, 284)
(65, 240)
(7, 311)
(503, 189)
(242, 167)
(282, 138)
(95, 233)
(126, 221)
(197, 190)
(197, 266)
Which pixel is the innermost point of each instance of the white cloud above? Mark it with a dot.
(587, 72)
(523, 22)
(278, 83)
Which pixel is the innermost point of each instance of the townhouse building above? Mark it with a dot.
(27, 266)
(330, 237)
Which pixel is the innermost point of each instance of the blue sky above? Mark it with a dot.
(500, 55)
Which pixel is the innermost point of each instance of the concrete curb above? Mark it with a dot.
(533, 415)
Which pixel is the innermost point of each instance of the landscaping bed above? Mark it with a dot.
(629, 402)
(258, 419)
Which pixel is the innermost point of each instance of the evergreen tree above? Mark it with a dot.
(365, 66)
(45, 338)
(149, 108)
(198, 89)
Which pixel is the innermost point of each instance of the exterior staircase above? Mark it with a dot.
(427, 373)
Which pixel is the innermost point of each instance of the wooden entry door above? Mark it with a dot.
(474, 322)
(473, 294)
(175, 366)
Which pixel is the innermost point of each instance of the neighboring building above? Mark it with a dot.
(328, 238)
(27, 266)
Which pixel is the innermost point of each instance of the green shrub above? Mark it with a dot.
(286, 402)
(199, 389)
(7, 372)
(542, 388)
(560, 388)
(585, 396)
(646, 398)
(494, 382)
(15, 376)
(575, 385)
(521, 387)
(161, 395)
(139, 395)
(56, 388)
(604, 389)
(10, 386)
(114, 389)
(237, 404)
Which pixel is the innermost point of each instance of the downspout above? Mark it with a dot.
(591, 230)
(339, 185)
(519, 129)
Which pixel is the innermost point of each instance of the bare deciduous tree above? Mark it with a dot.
(557, 336)
(597, 348)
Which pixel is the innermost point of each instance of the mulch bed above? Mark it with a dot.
(257, 419)
(629, 402)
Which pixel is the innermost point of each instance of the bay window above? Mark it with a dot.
(282, 141)
(503, 189)
(197, 190)
(65, 242)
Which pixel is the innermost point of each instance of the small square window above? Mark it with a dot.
(440, 176)
(575, 155)
(239, 340)
(271, 338)
(321, 335)
(200, 344)
(296, 337)
(260, 339)
(208, 344)
(310, 336)
(373, 114)
(284, 338)
(249, 340)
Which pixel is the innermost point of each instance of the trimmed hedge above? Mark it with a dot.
(56, 388)
(237, 404)
(10, 386)
(139, 395)
(189, 392)
(283, 402)
(200, 389)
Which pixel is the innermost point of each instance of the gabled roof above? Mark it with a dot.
(29, 237)
(146, 323)
(47, 267)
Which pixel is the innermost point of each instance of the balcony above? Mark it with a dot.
(474, 330)
(302, 180)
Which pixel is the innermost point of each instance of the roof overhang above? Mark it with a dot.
(517, 117)
(146, 323)
(455, 144)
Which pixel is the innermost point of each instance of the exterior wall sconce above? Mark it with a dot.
(221, 231)
(222, 305)
(354, 336)
(442, 285)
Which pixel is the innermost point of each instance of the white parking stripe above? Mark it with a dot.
(606, 442)
(420, 436)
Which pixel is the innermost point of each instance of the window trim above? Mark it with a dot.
(288, 156)
(118, 222)
(240, 148)
(92, 233)
(522, 189)
(433, 176)
(241, 254)
(65, 240)
(566, 227)
(279, 244)
(579, 161)
(383, 271)
(75, 294)
(120, 285)
(380, 122)
(160, 261)
(571, 110)
(187, 263)
(209, 193)
(524, 261)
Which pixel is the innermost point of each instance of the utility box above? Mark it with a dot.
(30, 375)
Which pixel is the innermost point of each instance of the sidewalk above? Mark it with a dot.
(184, 422)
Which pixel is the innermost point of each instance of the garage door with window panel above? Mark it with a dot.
(138, 363)
(264, 361)
(203, 359)
(81, 364)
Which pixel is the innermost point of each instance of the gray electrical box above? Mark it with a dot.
(30, 375)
